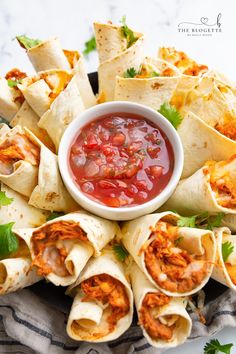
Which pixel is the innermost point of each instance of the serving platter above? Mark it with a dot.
(55, 295)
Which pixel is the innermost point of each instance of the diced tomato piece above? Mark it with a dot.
(142, 195)
(112, 202)
(131, 190)
(156, 171)
(118, 139)
(91, 141)
(141, 185)
(153, 152)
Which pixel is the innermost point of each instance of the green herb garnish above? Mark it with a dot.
(8, 240)
(90, 46)
(178, 240)
(4, 200)
(54, 215)
(13, 83)
(154, 74)
(120, 252)
(127, 33)
(204, 220)
(130, 73)
(171, 113)
(214, 347)
(27, 42)
(187, 221)
(227, 249)
(215, 221)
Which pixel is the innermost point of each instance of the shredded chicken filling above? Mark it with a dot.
(148, 71)
(173, 268)
(16, 148)
(222, 184)
(227, 129)
(183, 62)
(52, 244)
(150, 305)
(111, 292)
(17, 76)
(231, 269)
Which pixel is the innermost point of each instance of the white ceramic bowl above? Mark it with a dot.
(122, 213)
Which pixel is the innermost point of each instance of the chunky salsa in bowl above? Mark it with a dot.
(118, 158)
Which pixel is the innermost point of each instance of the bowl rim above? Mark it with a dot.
(75, 127)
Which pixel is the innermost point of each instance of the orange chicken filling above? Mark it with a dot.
(145, 72)
(16, 148)
(17, 76)
(153, 326)
(51, 245)
(187, 65)
(227, 129)
(222, 184)
(107, 290)
(231, 269)
(171, 267)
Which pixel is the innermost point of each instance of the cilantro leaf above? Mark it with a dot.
(4, 200)
(90, 46)
(215, 221)
(130, 73)
(128, 33)
(154, 74)
(13, 83)
(8, 240)
(178, 240)
(214, 347)
(54, 215)
(27, 42)
(120, 252)
(227, 249)
(187, 221)
(171, 113)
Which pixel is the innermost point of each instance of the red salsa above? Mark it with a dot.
(121, 160)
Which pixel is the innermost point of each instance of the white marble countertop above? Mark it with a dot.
(71, 21)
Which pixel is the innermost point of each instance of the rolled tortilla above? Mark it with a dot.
(212, 188)
(191, 73)
(20, 170)
(27, 118)
(146, 88)
(115, 57)
(9, 104)
(20, 212)
(229, 221)
(182, 61)
(225, 271)
(61, 248)
(56, 96)
(103, 317)
(164, 321)
(15, 270)
(177, 260)
(215, 103)
(34, 173)
(208, 144)
(49, 55)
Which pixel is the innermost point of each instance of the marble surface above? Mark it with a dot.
(71, 21)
